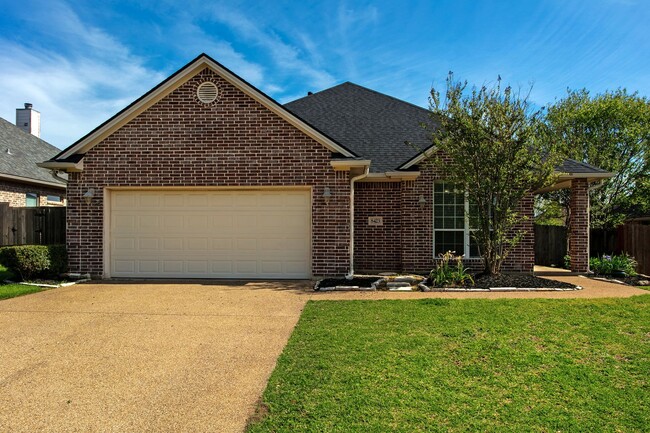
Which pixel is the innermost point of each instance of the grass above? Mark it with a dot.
(463, 366)
(13, 290)
(644, 287)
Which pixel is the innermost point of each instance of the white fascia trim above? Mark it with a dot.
(418, 158)
(345, 165)
(65, 166)
(391, 176)
(403, 175)
(189, 72)
(565, 176)
(31, 181)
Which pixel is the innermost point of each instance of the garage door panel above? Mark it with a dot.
(211, 234)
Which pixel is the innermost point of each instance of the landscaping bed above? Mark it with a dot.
(417, 283)
(636, 280)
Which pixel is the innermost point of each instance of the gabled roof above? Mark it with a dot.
(69, 158)
(21, 152)
(376, 126)
(373, 125)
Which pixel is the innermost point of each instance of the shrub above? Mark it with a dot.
(567, 262)
(608, 265)
(31, 261)
(445, 274)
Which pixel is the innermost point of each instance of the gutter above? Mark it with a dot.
(366, 169)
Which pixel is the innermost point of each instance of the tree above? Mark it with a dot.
(611, 131)
(489, 140)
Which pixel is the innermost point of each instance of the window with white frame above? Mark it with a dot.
(451, 222)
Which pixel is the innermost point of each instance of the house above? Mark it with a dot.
(22, 182)
(205, 176)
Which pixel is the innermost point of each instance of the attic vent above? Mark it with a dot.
(207, 92)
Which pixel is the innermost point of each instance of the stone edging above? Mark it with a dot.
(49, 286)
(424, 288)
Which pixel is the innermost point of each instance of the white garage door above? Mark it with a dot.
(210, 234)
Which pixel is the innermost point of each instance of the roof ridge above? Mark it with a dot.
(385, 95)
(350, 83)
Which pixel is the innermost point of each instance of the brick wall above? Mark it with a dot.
(579, 230)
(14, 193)
(415, 225)
(377, 248)
(179, 142)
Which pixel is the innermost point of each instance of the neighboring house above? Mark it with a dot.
(22, 182)
(205, 176)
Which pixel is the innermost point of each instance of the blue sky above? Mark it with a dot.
(79, 62)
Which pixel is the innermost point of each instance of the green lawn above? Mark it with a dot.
(464, 365)
(13, 290)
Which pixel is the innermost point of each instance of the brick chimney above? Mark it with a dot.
(29, 120)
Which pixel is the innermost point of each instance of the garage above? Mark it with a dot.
(231, 233)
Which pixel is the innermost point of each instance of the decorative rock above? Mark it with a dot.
(406, 279)
(424, 287)
(380, 283)
(400, 289)
(395, 284)
(644, 282)
(387, 274)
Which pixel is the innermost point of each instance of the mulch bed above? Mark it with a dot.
(522, 281)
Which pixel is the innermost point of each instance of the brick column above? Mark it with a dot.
(579, 237)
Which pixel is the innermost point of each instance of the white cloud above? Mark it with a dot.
(285, 55)
(75, 92)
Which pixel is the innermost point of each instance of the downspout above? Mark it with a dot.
(55, 175)
(350, 273)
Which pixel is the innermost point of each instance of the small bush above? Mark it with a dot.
(29, 261)
(447, 275)
(608, 265)
(567, 262)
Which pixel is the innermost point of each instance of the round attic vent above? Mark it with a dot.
(207, 92)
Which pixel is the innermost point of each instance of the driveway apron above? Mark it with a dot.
(118, 357)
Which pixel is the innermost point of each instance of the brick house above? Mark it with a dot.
(22, 182)
(205, 176)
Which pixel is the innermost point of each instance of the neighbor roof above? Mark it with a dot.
(369, 123)
(20, 153)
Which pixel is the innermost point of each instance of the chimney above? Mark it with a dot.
(29, 120)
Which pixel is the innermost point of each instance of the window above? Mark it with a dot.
(451, 222)
(54, 198)
(31, 199)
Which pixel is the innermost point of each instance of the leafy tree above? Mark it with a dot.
(611, 131)
(489, 139)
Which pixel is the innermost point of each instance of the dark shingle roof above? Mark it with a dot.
(21, 151)
(369, 123)
(573, 166)
(375, 126)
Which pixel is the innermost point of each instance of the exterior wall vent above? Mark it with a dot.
(207, 92)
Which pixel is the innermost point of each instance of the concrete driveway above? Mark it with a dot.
(120, 357)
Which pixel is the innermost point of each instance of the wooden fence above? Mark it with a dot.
(550, 245)
(31, 225)
(633, 239)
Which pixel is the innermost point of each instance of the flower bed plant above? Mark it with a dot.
(613, 265)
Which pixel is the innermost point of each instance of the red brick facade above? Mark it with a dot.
(179, 142)
(377, 248)
(579, 230)
(14, 194)
(406, 243)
